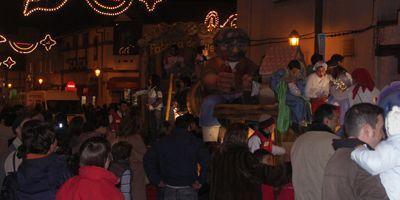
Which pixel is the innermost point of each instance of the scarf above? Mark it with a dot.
(363, 80)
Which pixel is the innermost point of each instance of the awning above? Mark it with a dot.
(121, 83)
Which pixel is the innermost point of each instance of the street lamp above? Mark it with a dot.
(294, 38)
(40, 80)
(97, 72)
(9, 85)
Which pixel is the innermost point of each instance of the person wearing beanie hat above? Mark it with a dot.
(317, 86)
(384, 160)
(264, 136)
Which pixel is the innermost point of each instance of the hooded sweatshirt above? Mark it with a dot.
(91, 183)
(40, 178)
(385, 160)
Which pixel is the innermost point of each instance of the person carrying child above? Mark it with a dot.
(384, 160)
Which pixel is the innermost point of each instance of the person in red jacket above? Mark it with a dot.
(93, 180)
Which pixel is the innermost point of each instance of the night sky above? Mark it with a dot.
(77, 14)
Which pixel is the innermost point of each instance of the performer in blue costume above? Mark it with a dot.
(300, 112)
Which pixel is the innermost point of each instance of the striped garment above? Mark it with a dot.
(125, 184)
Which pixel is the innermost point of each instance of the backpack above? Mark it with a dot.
(10, 186)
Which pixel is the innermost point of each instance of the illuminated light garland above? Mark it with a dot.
(9, 62)
(19, 47)
(231, 21)
(152, 7)
(2, 39)
(48, 42)
(212, 20)
(109, 7)
(110, 11)
(27, 11)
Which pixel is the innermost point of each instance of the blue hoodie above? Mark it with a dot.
(39, 179)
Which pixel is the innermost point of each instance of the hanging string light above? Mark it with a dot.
(109, 10)
(48, 42)
(212, 21)
(152, 7)
(9, 62)
(23, 48)
(2, 39)
(27, 10)
(231, 21)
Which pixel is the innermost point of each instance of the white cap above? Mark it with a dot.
(320, 64)
(392, 122)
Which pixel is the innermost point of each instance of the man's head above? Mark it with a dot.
(327, 114)
(365, 122)
(121, 151)
(316, 57)
(294, 68)
(95, 151)
(231, 44)
(336, 59)
(185, 121)
(266, 123)
(37, 138)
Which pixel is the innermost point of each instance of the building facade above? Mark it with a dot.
(76, 56)
(351, 28)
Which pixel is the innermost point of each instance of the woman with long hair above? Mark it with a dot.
(234, 173)
(129, 131)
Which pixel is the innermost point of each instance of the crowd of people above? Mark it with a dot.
(345, 141)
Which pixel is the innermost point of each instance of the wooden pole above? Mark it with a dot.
(318, 22)
(169, 99)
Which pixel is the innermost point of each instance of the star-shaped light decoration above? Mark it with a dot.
(48, 42)
(9, 62)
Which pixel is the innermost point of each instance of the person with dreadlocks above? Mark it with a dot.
(363, 90)
(228, 77)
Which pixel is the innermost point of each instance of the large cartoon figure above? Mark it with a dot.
(228, 77)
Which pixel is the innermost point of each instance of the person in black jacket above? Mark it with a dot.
(42, 172)
(172, 163)
(235, 173)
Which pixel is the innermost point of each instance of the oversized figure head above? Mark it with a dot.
(231, 44)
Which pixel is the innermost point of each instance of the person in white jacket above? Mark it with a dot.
(385, 160)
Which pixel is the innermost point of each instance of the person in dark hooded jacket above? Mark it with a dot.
(42, 172)
(235, 174)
